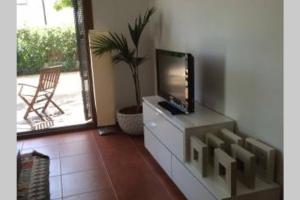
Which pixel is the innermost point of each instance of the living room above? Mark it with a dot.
(185, 101)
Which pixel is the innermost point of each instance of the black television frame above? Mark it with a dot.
(190, 79)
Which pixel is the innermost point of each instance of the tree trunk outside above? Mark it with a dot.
(44, 12)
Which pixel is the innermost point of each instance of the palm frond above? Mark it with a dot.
(113, 42)
(101, 44)
(120, 42)
(139, 25)
(139, 60)
(117, 43)
(121, 57)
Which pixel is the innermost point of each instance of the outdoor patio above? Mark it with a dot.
(67, 96)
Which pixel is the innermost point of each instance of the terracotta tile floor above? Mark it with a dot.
(86, 166)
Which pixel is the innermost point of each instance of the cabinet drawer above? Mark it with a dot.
(161, 154)
(188, 184)
(166, 132)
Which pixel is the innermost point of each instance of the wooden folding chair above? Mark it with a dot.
(44, 91)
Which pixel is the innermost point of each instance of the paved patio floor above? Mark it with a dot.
(67, 96)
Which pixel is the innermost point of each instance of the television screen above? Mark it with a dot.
(172, 76)
(175, 78)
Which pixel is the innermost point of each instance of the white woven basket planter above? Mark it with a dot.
(131, 123)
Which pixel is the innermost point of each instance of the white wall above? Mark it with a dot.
(238, 50)
(114, 15)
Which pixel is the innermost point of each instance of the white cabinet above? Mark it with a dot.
(164, 130)
(161, 154)
(167, 139)
(188, 184)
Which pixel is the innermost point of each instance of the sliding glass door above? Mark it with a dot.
(83, 24)
(66, 37)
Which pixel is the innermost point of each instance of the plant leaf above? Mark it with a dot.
(113, 42)
(139, 60)
(139, 25)
(102, 44)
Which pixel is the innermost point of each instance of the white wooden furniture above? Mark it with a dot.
(167, 139)
(199, 155)
(225, 170)
(247, 164)
(265, 158)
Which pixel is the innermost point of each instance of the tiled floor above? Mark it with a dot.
(86, 166)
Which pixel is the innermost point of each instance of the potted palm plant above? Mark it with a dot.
(130, 118)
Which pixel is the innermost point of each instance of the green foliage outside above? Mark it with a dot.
(37, 46)
(61, 4)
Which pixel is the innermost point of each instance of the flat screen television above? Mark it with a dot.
(175, 80)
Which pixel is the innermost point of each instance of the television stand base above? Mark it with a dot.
(173, 110)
